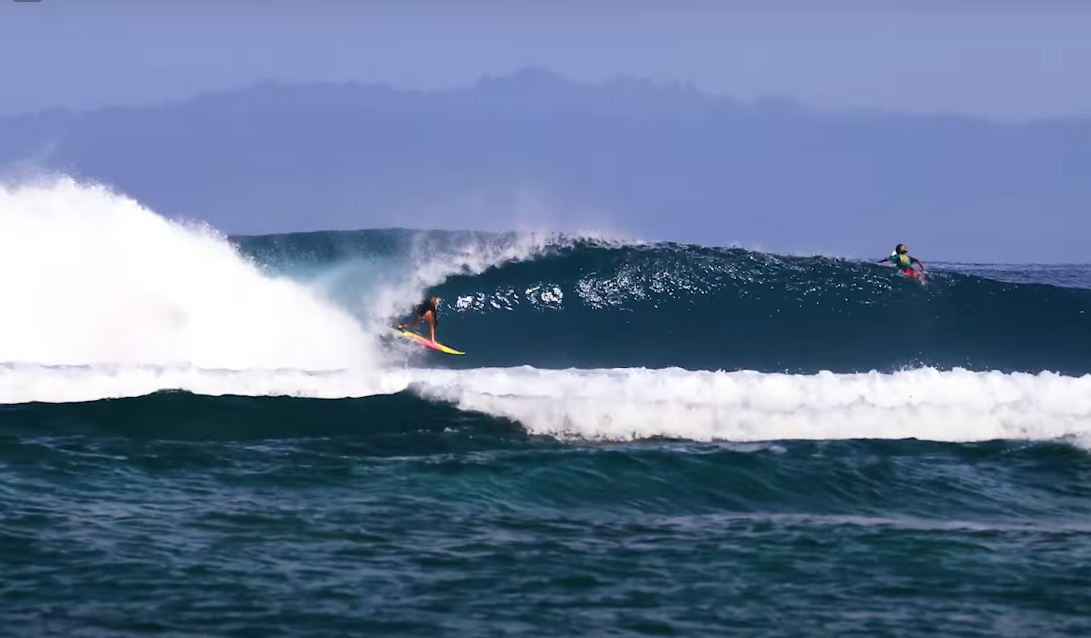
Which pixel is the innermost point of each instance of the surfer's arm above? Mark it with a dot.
(918, 262)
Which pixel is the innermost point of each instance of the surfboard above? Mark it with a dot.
(424, 341)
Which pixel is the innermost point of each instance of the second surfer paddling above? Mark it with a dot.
(904, 261)
(428, 311)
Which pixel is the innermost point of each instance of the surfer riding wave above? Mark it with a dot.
(427, 310)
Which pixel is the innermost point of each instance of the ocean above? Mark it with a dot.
(206, 435)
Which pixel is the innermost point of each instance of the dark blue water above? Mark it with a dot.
(595, 305)
(650, 440)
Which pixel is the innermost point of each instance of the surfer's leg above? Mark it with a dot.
(414, 324)
(431, 324)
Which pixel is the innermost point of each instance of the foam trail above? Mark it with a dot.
(25, 383)
(627, 404)
(91, 276)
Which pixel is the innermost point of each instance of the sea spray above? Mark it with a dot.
(93, 277)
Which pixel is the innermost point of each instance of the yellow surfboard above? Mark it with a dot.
(424, 341)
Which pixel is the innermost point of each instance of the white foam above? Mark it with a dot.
(629, 404)
(25, 383)
(749, 406)
(91, 276)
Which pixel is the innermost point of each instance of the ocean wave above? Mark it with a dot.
(97, 279)
(593, 306)
(639, 404)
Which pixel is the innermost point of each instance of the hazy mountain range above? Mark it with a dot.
(535, 150)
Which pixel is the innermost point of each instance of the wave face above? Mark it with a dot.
(105, 281)
(594, 304)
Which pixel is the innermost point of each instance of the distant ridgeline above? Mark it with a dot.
(533, 149)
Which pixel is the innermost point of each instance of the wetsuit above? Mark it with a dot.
(424, 307)
(904, 262)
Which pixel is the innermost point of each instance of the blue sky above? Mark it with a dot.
(1002, 59)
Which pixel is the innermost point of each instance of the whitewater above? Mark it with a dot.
(106, 299)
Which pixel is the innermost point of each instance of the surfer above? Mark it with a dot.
(427, 310)
(904, 261)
